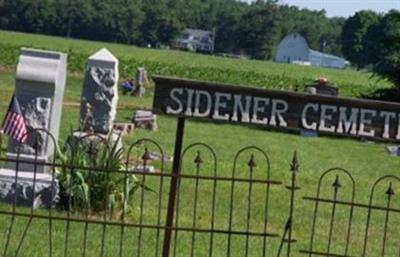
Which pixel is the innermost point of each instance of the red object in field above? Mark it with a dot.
(321, 81)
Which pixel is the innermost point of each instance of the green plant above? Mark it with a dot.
(93, 178)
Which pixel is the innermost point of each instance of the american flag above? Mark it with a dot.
(14, 122)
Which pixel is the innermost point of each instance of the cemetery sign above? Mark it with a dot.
(281, 110)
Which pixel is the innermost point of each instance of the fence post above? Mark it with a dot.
(173, 186)
(287, 234)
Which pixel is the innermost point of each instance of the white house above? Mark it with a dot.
(196, 40)
(294, 49)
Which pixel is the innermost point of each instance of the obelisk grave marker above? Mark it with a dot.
(100, 93)
(39, 88)
(99, 98)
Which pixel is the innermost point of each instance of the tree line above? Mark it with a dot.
(250, 29)
(371, 40)
(367, 39)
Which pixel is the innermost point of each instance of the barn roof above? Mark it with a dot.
(324, 55)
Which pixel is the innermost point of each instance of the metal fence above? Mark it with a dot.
(140, 202)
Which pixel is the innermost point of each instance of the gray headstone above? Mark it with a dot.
(43, 193)
(100, 93)
(145, 119)
(40, 83)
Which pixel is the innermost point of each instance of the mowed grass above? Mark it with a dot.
(365, 161)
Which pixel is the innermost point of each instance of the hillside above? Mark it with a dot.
(195, 66)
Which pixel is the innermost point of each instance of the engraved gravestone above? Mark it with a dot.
(39, 88)
(99, 98)
(40, 83)
(100, 93)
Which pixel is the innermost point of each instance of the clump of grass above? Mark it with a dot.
(93, 177)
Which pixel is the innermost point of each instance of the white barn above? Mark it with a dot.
(294, 49)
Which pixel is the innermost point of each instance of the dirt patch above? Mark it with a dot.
(7, 68)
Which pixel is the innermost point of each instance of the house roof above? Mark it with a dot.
(198, 32)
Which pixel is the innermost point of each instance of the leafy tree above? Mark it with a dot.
(388, 65)
(129, 20)
(160, 25)
(259, 30)
(311, 27)
(330, 38)
(227, 26)
(76, 18)
(354, 37)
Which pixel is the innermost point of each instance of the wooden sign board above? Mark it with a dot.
(281, 110)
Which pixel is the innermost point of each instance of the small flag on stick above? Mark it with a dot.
(14, 122)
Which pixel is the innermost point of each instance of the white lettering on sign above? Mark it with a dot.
(175, 98)
(365, 119)
(207, 97)
(326, 116)
(349, 123)
(387, 116)
(304, 123)
(220, 102)
(279, 107)
(398, 128)
(259, 105)
(277, 112)
(238, 107)
(190, 93)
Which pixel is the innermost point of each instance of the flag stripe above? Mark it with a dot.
(18, 129)
(9, 125)
(14, 123)
(7, 118)
(7, 121)
(21, 129)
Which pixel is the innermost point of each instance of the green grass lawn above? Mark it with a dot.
(366, 162)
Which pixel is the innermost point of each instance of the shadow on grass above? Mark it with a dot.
(384, 94)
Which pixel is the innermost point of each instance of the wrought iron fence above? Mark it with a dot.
(139, 202)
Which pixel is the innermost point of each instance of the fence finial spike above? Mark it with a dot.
(198, 159)
(252, 163)
(390, 190)
(146, 156)
(294, 166)
(336, 184)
